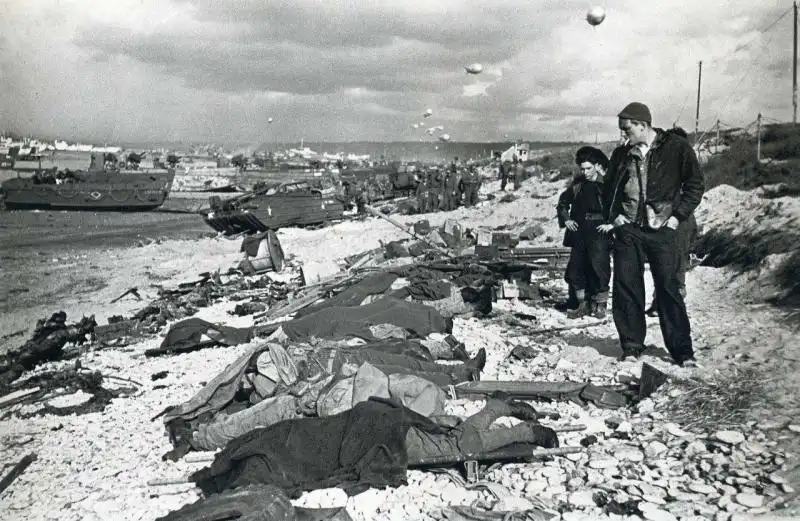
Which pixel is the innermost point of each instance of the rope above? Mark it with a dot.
(749, 69)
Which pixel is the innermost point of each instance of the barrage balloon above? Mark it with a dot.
(596, 15)
(475, 68)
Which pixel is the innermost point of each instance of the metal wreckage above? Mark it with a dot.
(308, 202)
(349, 355)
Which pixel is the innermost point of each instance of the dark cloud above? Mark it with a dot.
(366, 70)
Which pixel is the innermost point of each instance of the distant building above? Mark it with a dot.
(520, 150)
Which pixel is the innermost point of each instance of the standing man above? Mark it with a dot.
(422, 192)
(687, 234)
(519, 174)
(655, 184)
(503, 175)
(435, 190)
(470, 180)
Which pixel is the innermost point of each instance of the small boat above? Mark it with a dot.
(110, 189)
(274, 207)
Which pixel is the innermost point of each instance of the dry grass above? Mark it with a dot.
(723, 400)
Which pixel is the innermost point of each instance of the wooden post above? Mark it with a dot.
(697, 112)
(758, 139)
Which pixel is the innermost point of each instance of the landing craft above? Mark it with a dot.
(595, 16)
(475, 68)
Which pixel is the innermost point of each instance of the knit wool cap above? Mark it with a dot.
(636, 111)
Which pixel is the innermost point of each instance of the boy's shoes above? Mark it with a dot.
(582, 310)
(599, 310)
(565, 305)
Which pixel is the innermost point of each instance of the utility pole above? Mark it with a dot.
(717, 132)
(794, 70)
(758, 139)
(697, 112)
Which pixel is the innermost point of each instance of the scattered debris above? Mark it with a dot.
(46, 344)
(48, 391)
(16, 471)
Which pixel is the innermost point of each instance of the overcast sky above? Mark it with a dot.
(215, 71)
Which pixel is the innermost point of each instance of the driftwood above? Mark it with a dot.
(132, 291)
(388, 219)
(568, 328)
(16, 471)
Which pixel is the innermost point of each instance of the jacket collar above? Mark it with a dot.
(659, 140)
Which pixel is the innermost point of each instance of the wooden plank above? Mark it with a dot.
(16, 471)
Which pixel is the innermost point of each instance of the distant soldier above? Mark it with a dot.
(470, 183)
(450, 187)
(504, 168)
(459, 188)
(434, 190)
(422, 193)
(519, 174)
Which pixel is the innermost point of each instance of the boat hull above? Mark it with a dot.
(115, 194)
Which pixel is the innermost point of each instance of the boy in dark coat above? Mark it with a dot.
(580, 211)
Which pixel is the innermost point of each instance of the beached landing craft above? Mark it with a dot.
(109, 189)
(274, 207)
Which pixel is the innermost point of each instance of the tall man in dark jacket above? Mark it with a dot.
(655, 184)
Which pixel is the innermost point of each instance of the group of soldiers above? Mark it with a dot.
(511, 170)
(445, 189)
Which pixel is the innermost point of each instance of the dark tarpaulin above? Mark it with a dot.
(189, 332)
(428, 290)
(360, 448)
(355, 321)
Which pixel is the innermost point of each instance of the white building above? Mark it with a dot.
(519, 150)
